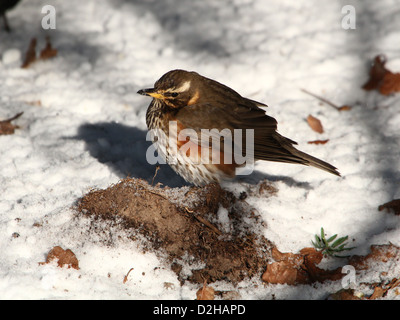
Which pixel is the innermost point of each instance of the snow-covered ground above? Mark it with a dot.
(84, 127)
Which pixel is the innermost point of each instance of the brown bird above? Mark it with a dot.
(190, 112)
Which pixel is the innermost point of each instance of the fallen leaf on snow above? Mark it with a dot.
(344, 108)
(315, 124)
(64, 257)
(48, 51)
(318, 141)
(379, 253)
(391, 83)
(300, 268)
(205, 293)
(344, 294)
(382, 79)
(381, 291)
(30, 55)
(393, 205)
(6, 127)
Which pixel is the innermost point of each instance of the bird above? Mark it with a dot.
(4, 6)
(200, 109)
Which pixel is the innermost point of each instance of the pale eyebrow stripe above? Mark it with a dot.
(184, 87)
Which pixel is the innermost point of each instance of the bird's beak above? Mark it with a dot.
(151, 92)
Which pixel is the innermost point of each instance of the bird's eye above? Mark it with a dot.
(174, 94)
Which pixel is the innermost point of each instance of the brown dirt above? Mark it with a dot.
(182, 224)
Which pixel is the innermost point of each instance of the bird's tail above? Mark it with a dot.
(297, 156)
(317, 163)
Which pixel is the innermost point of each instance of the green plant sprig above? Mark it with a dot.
(329, 246)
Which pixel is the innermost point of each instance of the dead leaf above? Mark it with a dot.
(381, 291)
(376, 73)
(6, 127)
(390, 84)
(48, 51)
(36, 103)
(381, 78)
(378, 293)
(344, 294)
(30, 55)
(64, 257)
(393, 205)
(318, 141)
(205, 293)
(379, 253)
(300, 268)
(315, 124)
(313, 255)
(282, 272)
(344, 108)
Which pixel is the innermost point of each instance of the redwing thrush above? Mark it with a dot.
(211, 110)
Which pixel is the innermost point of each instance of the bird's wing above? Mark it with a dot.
(265, 143)
(243, 120)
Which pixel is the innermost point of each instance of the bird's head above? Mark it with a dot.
(176, 88)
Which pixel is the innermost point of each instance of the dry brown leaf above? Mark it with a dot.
(381, 291)
(344, 294)
(300, 268)
(48, 51)
(379, 253)
(376, 73)
(312, 255)
(6, 127)
(36, 103)
(381, 78)
(280, 272)
(205, 293)
(390, 84)
(318, 141)
(344, 108)
(378, 293)
(393, 205)
(64, 257)
(30, 55)
(315, 124)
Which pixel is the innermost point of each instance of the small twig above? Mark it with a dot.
(326, 101)
(158, 194)
(12, 118)
(157, 168)
(204, 221)
(126, 276)
(207, 224)
(188, 210)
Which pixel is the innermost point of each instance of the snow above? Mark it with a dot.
(83, 127)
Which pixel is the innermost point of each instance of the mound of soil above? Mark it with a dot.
(207, 230)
